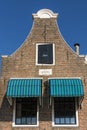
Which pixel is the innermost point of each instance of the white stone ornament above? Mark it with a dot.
(45, 13)
(86, 59)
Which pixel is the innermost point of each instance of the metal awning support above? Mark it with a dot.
(9, 100)
(40, 101)
(50, 101)
(80, 102)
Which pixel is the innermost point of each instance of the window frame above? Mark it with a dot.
(20, 125)
(65, 125)
(37, 54)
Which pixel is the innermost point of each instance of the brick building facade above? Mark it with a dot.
(43, 84)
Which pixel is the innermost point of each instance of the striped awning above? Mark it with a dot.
(66, 87)
(24, 88)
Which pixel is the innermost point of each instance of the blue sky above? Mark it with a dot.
(16, 21)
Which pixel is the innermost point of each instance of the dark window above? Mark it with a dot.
(26, 111)
(45, 54)
(64, 111)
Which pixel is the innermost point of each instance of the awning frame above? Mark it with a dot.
(50, 97)
(66, 78)
(10, 99)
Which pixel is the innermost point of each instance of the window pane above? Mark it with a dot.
(45, 54)
(26, 111)
(57, 120)
(62, 120)
(67, 120)
(18, 121)
(18, 110)
(23, 120)
(64, 111)
(34, 120)
(72, 120)
(28, 121)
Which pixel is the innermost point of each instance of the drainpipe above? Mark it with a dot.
(77, 45)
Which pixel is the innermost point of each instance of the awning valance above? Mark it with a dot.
(66, 87)
(24, 88)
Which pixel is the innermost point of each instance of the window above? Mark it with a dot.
(65, 112)
(45, 54)
(26, 111)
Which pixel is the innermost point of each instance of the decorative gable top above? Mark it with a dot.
(45, 13)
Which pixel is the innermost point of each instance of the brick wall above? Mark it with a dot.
(22, 64)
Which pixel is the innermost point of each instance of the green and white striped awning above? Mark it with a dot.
(24, 88)
(66, 87)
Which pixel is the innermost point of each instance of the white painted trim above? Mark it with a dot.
(14, 108)
(27, 78)
(77, 119)
(52, 112)
(45, 13)
(45, 72)
(82, 55)
(14, 111)
(64, 78)
(75, 125)
(37, 54)
(4, 56)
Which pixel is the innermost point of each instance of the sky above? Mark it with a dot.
(16, 22)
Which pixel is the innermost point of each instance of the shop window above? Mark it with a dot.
(45, 54)
(26, 112)
(64, 113)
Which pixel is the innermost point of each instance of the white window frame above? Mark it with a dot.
(37, 54)
(14, 113)
(65, 125)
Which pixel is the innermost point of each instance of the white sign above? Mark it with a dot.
(45, 71)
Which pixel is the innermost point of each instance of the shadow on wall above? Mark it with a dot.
(6, 110)
(45, 112)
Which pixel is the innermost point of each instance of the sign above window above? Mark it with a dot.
(45, 71)
(45, 54)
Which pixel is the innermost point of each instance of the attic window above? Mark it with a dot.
(45, 54)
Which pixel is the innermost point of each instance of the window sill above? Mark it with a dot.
(76, 125)
(44, 64)
(14, 125)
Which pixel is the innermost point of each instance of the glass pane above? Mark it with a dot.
(45, 54)
(64, 111)
(57, 121)
(24, 120)
(73, 120)
(18, 120)
(28, 121)
(67, 120)
(34, 120)
(18, 110)
(26, 111)
(62, 120)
